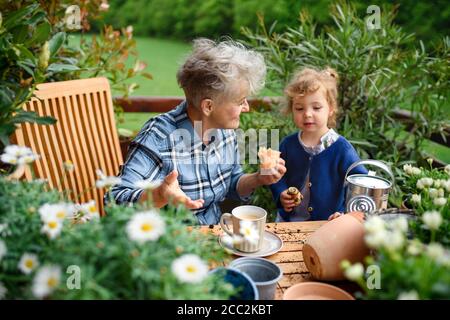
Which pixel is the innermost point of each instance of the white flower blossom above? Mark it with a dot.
(416, 171)
(433, 193)
(394, 240)
(400, 224)
(437, 183)
(189, 268)
(88, 211)
(248, 231)
(145, 226)
(440, 202)
(416, 198)
(407, 168)
(375, 240)
(3, 291)
(374, 224)
(447, 185)
(447, 169)
(28, 262)
(354, 272)
(435, 251)
(106, 181)
(415, 247)
(409, 295)
(52, 227)
(3, 249)
(441, 193)
(432, 219)
(46, 280)
(14, 154)
(60, 211)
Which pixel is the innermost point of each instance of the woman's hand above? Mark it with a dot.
(170, 191)
(287, 200)
(273, 175)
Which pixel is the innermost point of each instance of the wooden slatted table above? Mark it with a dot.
(289, 258)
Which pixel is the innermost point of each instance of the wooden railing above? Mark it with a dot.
(164, 104)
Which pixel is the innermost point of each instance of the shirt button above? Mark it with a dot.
(310, 209)
(309, 184)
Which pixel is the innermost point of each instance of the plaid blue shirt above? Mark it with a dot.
(169, 142)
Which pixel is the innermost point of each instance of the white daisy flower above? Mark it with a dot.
(52, 227)
(148, 184)
(437, 183)
(354, 272)
(46, 281)
(440, 202)
(189, 268)
(89, 211)
(416, 198)
(28, 262)
(27, 159)
(8, 158)
(3, 249)
(441, 193)
(145, 226)
(409, 295)
(248, 231)
(106, 181)
(3, 291)
(375, 240)
(60, 211)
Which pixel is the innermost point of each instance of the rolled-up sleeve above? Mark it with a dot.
(143, 162)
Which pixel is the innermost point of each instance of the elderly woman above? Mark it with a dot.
(192, 150)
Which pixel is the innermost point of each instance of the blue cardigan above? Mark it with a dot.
(327, 172)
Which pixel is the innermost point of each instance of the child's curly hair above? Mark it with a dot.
(309, 80)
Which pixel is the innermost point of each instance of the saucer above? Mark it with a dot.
(271, 245)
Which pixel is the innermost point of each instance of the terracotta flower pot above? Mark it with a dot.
(337, 240)
(315, 291)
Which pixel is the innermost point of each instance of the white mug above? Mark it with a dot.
(252, 216)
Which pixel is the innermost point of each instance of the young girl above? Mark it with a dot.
(317, 158)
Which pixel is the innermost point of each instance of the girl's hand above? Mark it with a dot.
(287, 201)
(335, 215)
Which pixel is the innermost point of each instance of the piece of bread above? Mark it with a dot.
(268, 158)
(293, 191)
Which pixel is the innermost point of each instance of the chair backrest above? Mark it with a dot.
(85, 134)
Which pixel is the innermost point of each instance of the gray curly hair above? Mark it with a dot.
(213, 69)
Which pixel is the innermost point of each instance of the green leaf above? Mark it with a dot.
(31, 116)
(24, 53)
(17, 17)
(41, 34)
(26, 68)
(56, 42)
(59, 67)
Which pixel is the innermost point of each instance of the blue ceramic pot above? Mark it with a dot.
(238, 279)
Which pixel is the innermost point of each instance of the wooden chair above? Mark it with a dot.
(85, 134)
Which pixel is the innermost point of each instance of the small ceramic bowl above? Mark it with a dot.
(238, 279)
(315, 291)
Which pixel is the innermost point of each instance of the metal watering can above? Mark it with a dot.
(367, 192)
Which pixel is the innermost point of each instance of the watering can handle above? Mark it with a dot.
(375, 163)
